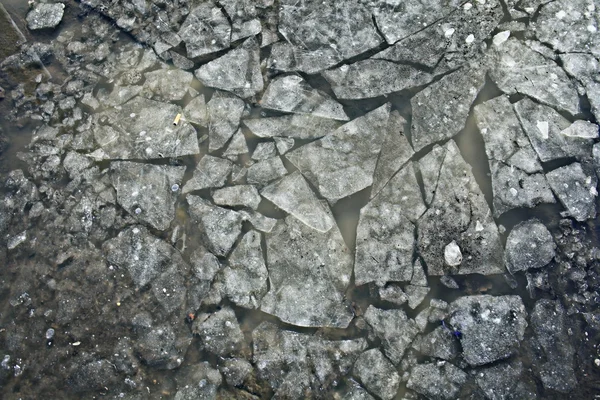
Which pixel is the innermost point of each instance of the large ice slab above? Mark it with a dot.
(343, 162)
(385, 238)
(205, 30)
(309, 272)
(440, 111)
(517, 175)
(219, 227)
(148, 192)
(293, 195)
(293, 94)
(516, 68)
(238, 71)
(143, 129)
(458, 218)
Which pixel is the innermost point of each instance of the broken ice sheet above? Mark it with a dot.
(245, 278)
(309, 273)
(395, 152)
(205, 30)
(196, 111)
(395, 330)
(319, 35)
(280, 355)
(142, 129)
(266, 171)
(219, 227)
(293, 94)
(385, 238)
(516, 68)
(210, 172)
(569, 26)
(343, 162)
(458, 212)
(372, 78)
(238, 71)
(517, 175)
(440, 110)
(143, 255)
(237, 146)
(398, 20)
(225, 111)
(293, 126)
(239, 195)
(167, 84)
(549, 132)
(244, 21)
(146, 190)
(293, 195)
(576, 189)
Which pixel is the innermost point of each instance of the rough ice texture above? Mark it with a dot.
(293, 94)
(394, 329)
(239, 195)
(259, 221)
(529, 245)
(309, 272)
(237, 146)
(397, 21)
(293, 126)
(551, 326)
(505, 380)
(146, 191)
(168, 84)
(575, 189)
(143, 255)
(545, 128)
(440, 111)
(343, 162)
(263, 151)
(219, 227)
(517, 174)
(584, 68)
(196, 112)
(395, 152)
(385, 239)
(516, 68)
(244, 21)
(458, 212)
(293, 363)
(438, 343)
(436, 381)
(238, 71)
(492, 327)
(377, 374)
(45, 15)
(320, 35)
(443, 46)
(372, 78)
(143, 129)
(210, 172)
(245, 279)
(205, 30)
(266, 171)
(220, 333)
(225, 111)
(293, 195)
(569, 26)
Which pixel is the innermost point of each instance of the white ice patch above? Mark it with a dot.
(543, 128)
(561, 14)
(470, 39)
(500, 38)
(452, 254)
(449, 32)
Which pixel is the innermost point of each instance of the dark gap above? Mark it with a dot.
(472, 146)
(546, 213)
(346, 212)
(270, 210)
(557, 163)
